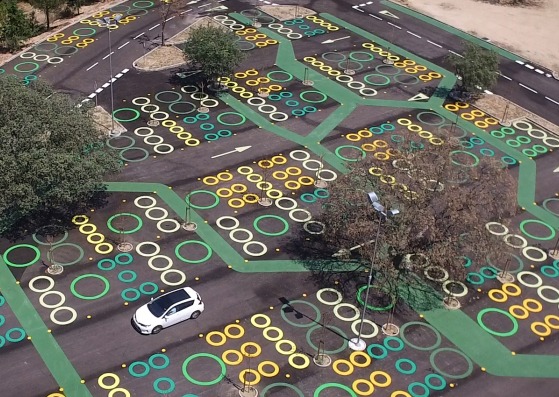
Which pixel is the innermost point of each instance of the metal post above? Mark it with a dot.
(554, 253)
(111, 72)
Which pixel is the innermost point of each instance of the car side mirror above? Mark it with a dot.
(151, 299)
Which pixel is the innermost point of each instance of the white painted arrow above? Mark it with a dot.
(556, 169)
(389, 14)
(237, 150)
(329, 41)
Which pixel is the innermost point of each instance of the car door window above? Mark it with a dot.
(172, 311)
(184, 305)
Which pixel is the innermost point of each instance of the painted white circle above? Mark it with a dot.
(67, 308)
(209, 103)
(256, 101)
(176, 224)
(342, 78)
(223, 218)
(297, 210)
(520, 277)
(148, 140)
(288, 199)
(237, 26)
(551, 139)
(137, 202)
(152, 259)
(189, 89)
(543, 255)
(136, 101)
(145, 108)
(356, 85)
(266, 109)
(278, 116)
(164, 116)
(55, 60)
(39, 290)
(176, 271)
(548, 287)
(294, 36)
(295, 155)
(368, 91)
(41, 57)
(356, 311)
(261, 245)
(28, 55)
(275, 26)
(306, 164)
(157, 149)
(444, 277)
(459, 295)
(140, 131)
(199, 96)
(333, 175)
(240, 240)
(221, 17)
(365, 321)
(329, 303)
(308, 230)
(490, 228)
(164, 212)
(51, 306)
(523, 241)
(285, 31)
(139, 251)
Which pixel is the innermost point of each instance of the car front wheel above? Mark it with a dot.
(157, 329)
(195, 314)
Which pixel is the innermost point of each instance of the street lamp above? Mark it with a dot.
(358, 343)
(110, 23)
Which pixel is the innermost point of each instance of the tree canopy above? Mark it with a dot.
(47, 6)
(15, 26)
(443, 211)
(53, 160)
(213, 50)
(478, 68)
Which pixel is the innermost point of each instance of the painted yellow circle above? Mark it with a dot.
(236, 203)
(529, 305)
(411, 70)
(292, 347)
(267, 320)
(274, 193)
(382, 156)
(239, 334)
(227, 353)
(252, 83)
(95, 238)
(306, 361)
(80, 219)
(380, 143)
(497, 295)
(87, 228)
(339, 362)
(400, 65)
(462, 105)
(108, 250)
(293, 171)
(387, 379)
(224, 192)
(264, 185)
(266, 333)
(353, 137)
(102, 384)
(309, 59)
(392, 152)
(376, 171)
(414, 128)
(389, 179)
(408, 62)
(225, 176)
(178, 129)
(279, 160)
(305, 180)
(511, 289)
(169, 123)
(250, 198)
(263, 80)
(425, 134)
(220, 342)
(275, 87)
(210, 180)
(515, 309)
(265, 164)
(355, 386)
(477, 113)
(253, 352)
(353, 359)
(246, 94)
(240, 75)
(421, 68)
(404, 122)
(367, 45)
(252, 72)
(365, 133)
(436, 141)
(552, 317)
(238, 188)
(467, 116)
(292, 185)
(184, 135)
(481, 124)
(368, 147)
(451, 107)
(280, 175)
(192, 142)
(537, 324)
(238, 89)
(119, 390)
(244, 381)
(334, 73)
(254, 178)
(491, 121)
(245, 170)
(250, 30)
(435, 75)
(274, 372)
(425, 77)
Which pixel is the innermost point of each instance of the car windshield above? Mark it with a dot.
(159, 306)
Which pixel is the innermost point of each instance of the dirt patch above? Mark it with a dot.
(184, 34)
(161, 58)
(284, 13)
(102, 120)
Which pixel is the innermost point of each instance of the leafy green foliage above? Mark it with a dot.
(47, 6)
(53, 160)
(478, 68)
(213, 50)
(15, 26)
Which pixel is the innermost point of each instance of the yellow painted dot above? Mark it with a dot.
(82, 381)
(61, 389)
(125, 303)
(162, 290)
(158, 236)
(197, 278)
(479, 290)
(277, 249)
(88, 316)
(246, 260)
(542, 338)
(163, 350)
(421, 316)
(17, 282)
(271, 307)
(483, 369)
(49, 331)
(305, 295)
(124, 201)
(200, 335)
(123, 365)
(451, 385)
(92, 210)
(205, 221)
(90, 258)
(336, 282)
(287, 376)
(513, 353)
(170, 187)
(237, 321)
(28, 338)
(229, 266)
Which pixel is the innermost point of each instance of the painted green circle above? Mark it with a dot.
(54, 248)
(90, 32)
(203, 244)
(508, 130)
(17, 67)
(127, 261)
(200, 207)
(153, 357)
(498, 134)
(164, 391)
(391, 67)
(178, 96)
(504, 313)
(121, 154)
(529, 152)
(470, 278)
(135, 117)
(429, 381)
(279, 384)
(2, 320)
(279, 72)
(386, 80)
(339, 148)
(420, 116)
(523, 139)
(513, 143)
(124, 294)
(416, 347)
(149, 4)
(415, 385)
(199, 382)
(527, 221)
(21, 336)
(172, 105)
(371, 307)
(93, 297)
(303, 94)
(487, 152)
(123, 276)
(467, 373)
(207, 126)
(476, 159)
(2, 300)
(31, 262)
(377, 356)
(243, 118)
(332, 328)
(367, 56)
(399, 343)
(115, 230)
(138, 374)
(279, 218)
(202, 116)
(541, 149)
(287, 320)
(148, 284)
(131, 142)
(403, 361)
(545, 270)
(509, 160)
(546, 202)
(111, 263)
(333, 385)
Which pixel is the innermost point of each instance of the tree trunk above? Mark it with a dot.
(47, 16)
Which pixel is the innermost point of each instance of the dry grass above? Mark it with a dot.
(284, 13)
(102, 120)
(161, 58)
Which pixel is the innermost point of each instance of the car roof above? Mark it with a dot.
(177, 295)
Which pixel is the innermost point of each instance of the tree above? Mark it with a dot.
(166, 9)
(53, 160)
(15, 26)
(478, 68)
(47, 6)
(213, 50)
(443, 211)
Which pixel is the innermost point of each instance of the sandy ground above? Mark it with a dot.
(161, 58)
(530, 31)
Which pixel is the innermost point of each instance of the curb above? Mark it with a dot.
(135, 63)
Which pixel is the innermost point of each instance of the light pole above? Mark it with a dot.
(358, 343)
(110, 23)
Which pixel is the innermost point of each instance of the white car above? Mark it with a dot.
(168, 309)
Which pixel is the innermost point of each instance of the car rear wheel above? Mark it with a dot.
(157, 329)
(195, 314)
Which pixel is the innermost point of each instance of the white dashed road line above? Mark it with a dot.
(435, 44)
(551, 100)
(391, 24)
(455, 53)
(528, 88)
(374, 16)
(153, 27)
(520, 62)
(124, 45)
(92, 66)
(529, 66)
(413, 34)
(168, 19)
(506, 77)
(141, 34)
(108, 55)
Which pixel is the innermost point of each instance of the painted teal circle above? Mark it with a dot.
(498, 134)
(125, 292)
(298, 112)
(149, 4)
(211, 137)
(274, 97)
(405, 361)
(397, 138)
(387, 127)
(551, 230)
(202, 116)
(20, 337)
(286, 94)
(281, 73)
(421, 324)
(356, 56)
(475, 278)
(127, 276)
(399, 343)
(160, 390)
(127, 261)
(333, 385)
(271, 386)
(199, 382)
(148, 284)
(310, 109)
(135, 374)
(418, 145)
(353, 65)
(172, 105)
(508, 130)
(31, 70)
(509, 160)
(339, 148)
(203, 244)
(321, 193)
(376, 130)
(31, 262)
(131, 142)
(555, 265)
(466, 144)
(308, 198)
(384, 66)
(487, 152)
(546, 202)
(279, 218)
(178, 96)
(377, 356)
(384, 79)
(240, 122)
(477, 140)
(201, 207)
(333, 56)
(289, 23)
(287, 320)
(303, 95)
(399, 79)
(414, 385)
(207, 126)
(529, 152)
(330, 327)
(539, 149)
(468, 262)
(190, 120)
(224, 133)
(504, 313)
(429, 381)
(2, 339)
(2, 320)
(111, 263)
(488, 272)
(133, 230)
(523, 139)
(90, 32)
(134, 111)
(467, 373)
(476, 159)
(93, 297)
(153, 357)
(292, 103)
(319, 31)
(513, 143)
(549, 271)
(2, 300)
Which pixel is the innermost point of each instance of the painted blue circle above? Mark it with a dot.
(111, 263)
